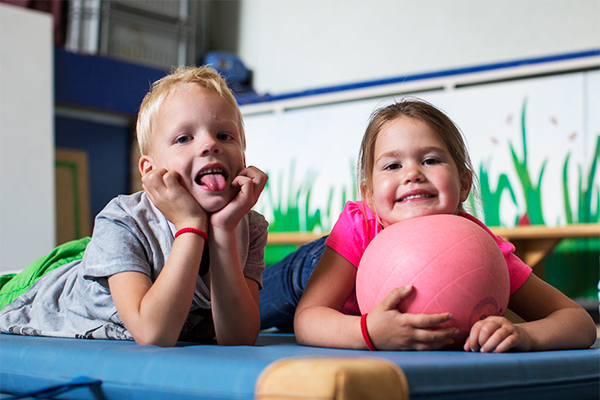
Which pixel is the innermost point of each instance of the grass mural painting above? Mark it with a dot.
(290, 204)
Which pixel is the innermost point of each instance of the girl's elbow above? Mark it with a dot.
(592, 335)
(300, 329)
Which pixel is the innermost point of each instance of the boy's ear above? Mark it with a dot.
(145, 164)
(466, 181)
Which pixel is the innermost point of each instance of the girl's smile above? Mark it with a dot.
(414, 174)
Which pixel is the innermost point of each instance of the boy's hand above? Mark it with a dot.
(251, 182)
(174, 200)
(497, 334)
(392, 330)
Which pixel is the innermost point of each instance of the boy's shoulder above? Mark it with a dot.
(132, 204)
(134, 208)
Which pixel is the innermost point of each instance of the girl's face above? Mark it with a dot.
(414, 174)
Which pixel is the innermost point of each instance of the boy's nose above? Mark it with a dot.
(210, 146)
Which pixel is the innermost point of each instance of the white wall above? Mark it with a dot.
(27, 212)
(294, 45)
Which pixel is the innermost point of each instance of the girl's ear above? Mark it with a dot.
(466, 181)
(145, 164)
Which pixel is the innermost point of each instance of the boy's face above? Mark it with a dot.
(195, 133)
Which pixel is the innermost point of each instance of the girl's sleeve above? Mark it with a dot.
(518, 271)
(352, 232)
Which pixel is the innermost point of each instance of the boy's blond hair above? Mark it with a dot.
(180, 78)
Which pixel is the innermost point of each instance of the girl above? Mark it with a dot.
(413, 162)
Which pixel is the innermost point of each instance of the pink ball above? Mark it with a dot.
(453, 264)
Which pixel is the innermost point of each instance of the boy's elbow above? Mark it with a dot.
(155, 340)
(247, 339)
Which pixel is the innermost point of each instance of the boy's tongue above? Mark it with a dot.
(214, 182)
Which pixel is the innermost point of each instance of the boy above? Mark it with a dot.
(161, 264)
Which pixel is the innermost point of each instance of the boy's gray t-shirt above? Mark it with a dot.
(130, 234)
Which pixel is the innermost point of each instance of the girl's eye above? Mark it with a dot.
(224, 136)
(393, 166)
(183, 139)
(430, 161)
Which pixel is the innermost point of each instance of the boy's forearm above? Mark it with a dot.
(234, 303)
(164, 308)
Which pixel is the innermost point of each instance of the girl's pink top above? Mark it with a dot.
(358, 225)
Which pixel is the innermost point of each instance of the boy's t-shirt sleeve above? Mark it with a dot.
(123, 243)
(257, 240)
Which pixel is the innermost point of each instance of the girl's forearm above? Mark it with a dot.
(567, 328)
(326, 327)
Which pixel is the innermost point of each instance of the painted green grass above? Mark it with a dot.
(531, 191)
(291, 213)
(582, 256)
(586, 211)
(491, 198)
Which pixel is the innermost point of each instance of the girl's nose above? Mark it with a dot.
(413, 174)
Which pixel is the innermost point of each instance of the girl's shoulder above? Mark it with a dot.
(358, 212)
(353, 231)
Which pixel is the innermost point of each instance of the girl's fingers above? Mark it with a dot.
(436, 335)
(392, 300)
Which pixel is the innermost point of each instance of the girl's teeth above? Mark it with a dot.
(416, 196)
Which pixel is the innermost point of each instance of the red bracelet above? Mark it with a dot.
(192, 230)
(365, 333)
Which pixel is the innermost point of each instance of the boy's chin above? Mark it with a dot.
(214, 204)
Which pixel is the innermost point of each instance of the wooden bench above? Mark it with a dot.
(532, 243)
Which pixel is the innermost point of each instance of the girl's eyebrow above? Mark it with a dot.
(388, 154)
(397, 153)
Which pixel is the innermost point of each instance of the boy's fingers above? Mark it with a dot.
(171, 179)
(255, 174)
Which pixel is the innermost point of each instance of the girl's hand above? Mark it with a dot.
(392, 330)
(498, 335)
(251, 182)
(173, 200)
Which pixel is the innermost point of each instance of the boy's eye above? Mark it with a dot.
(224, 136)
(183, 139)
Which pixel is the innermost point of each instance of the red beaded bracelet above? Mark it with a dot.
(192, 230)
(365, 333)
